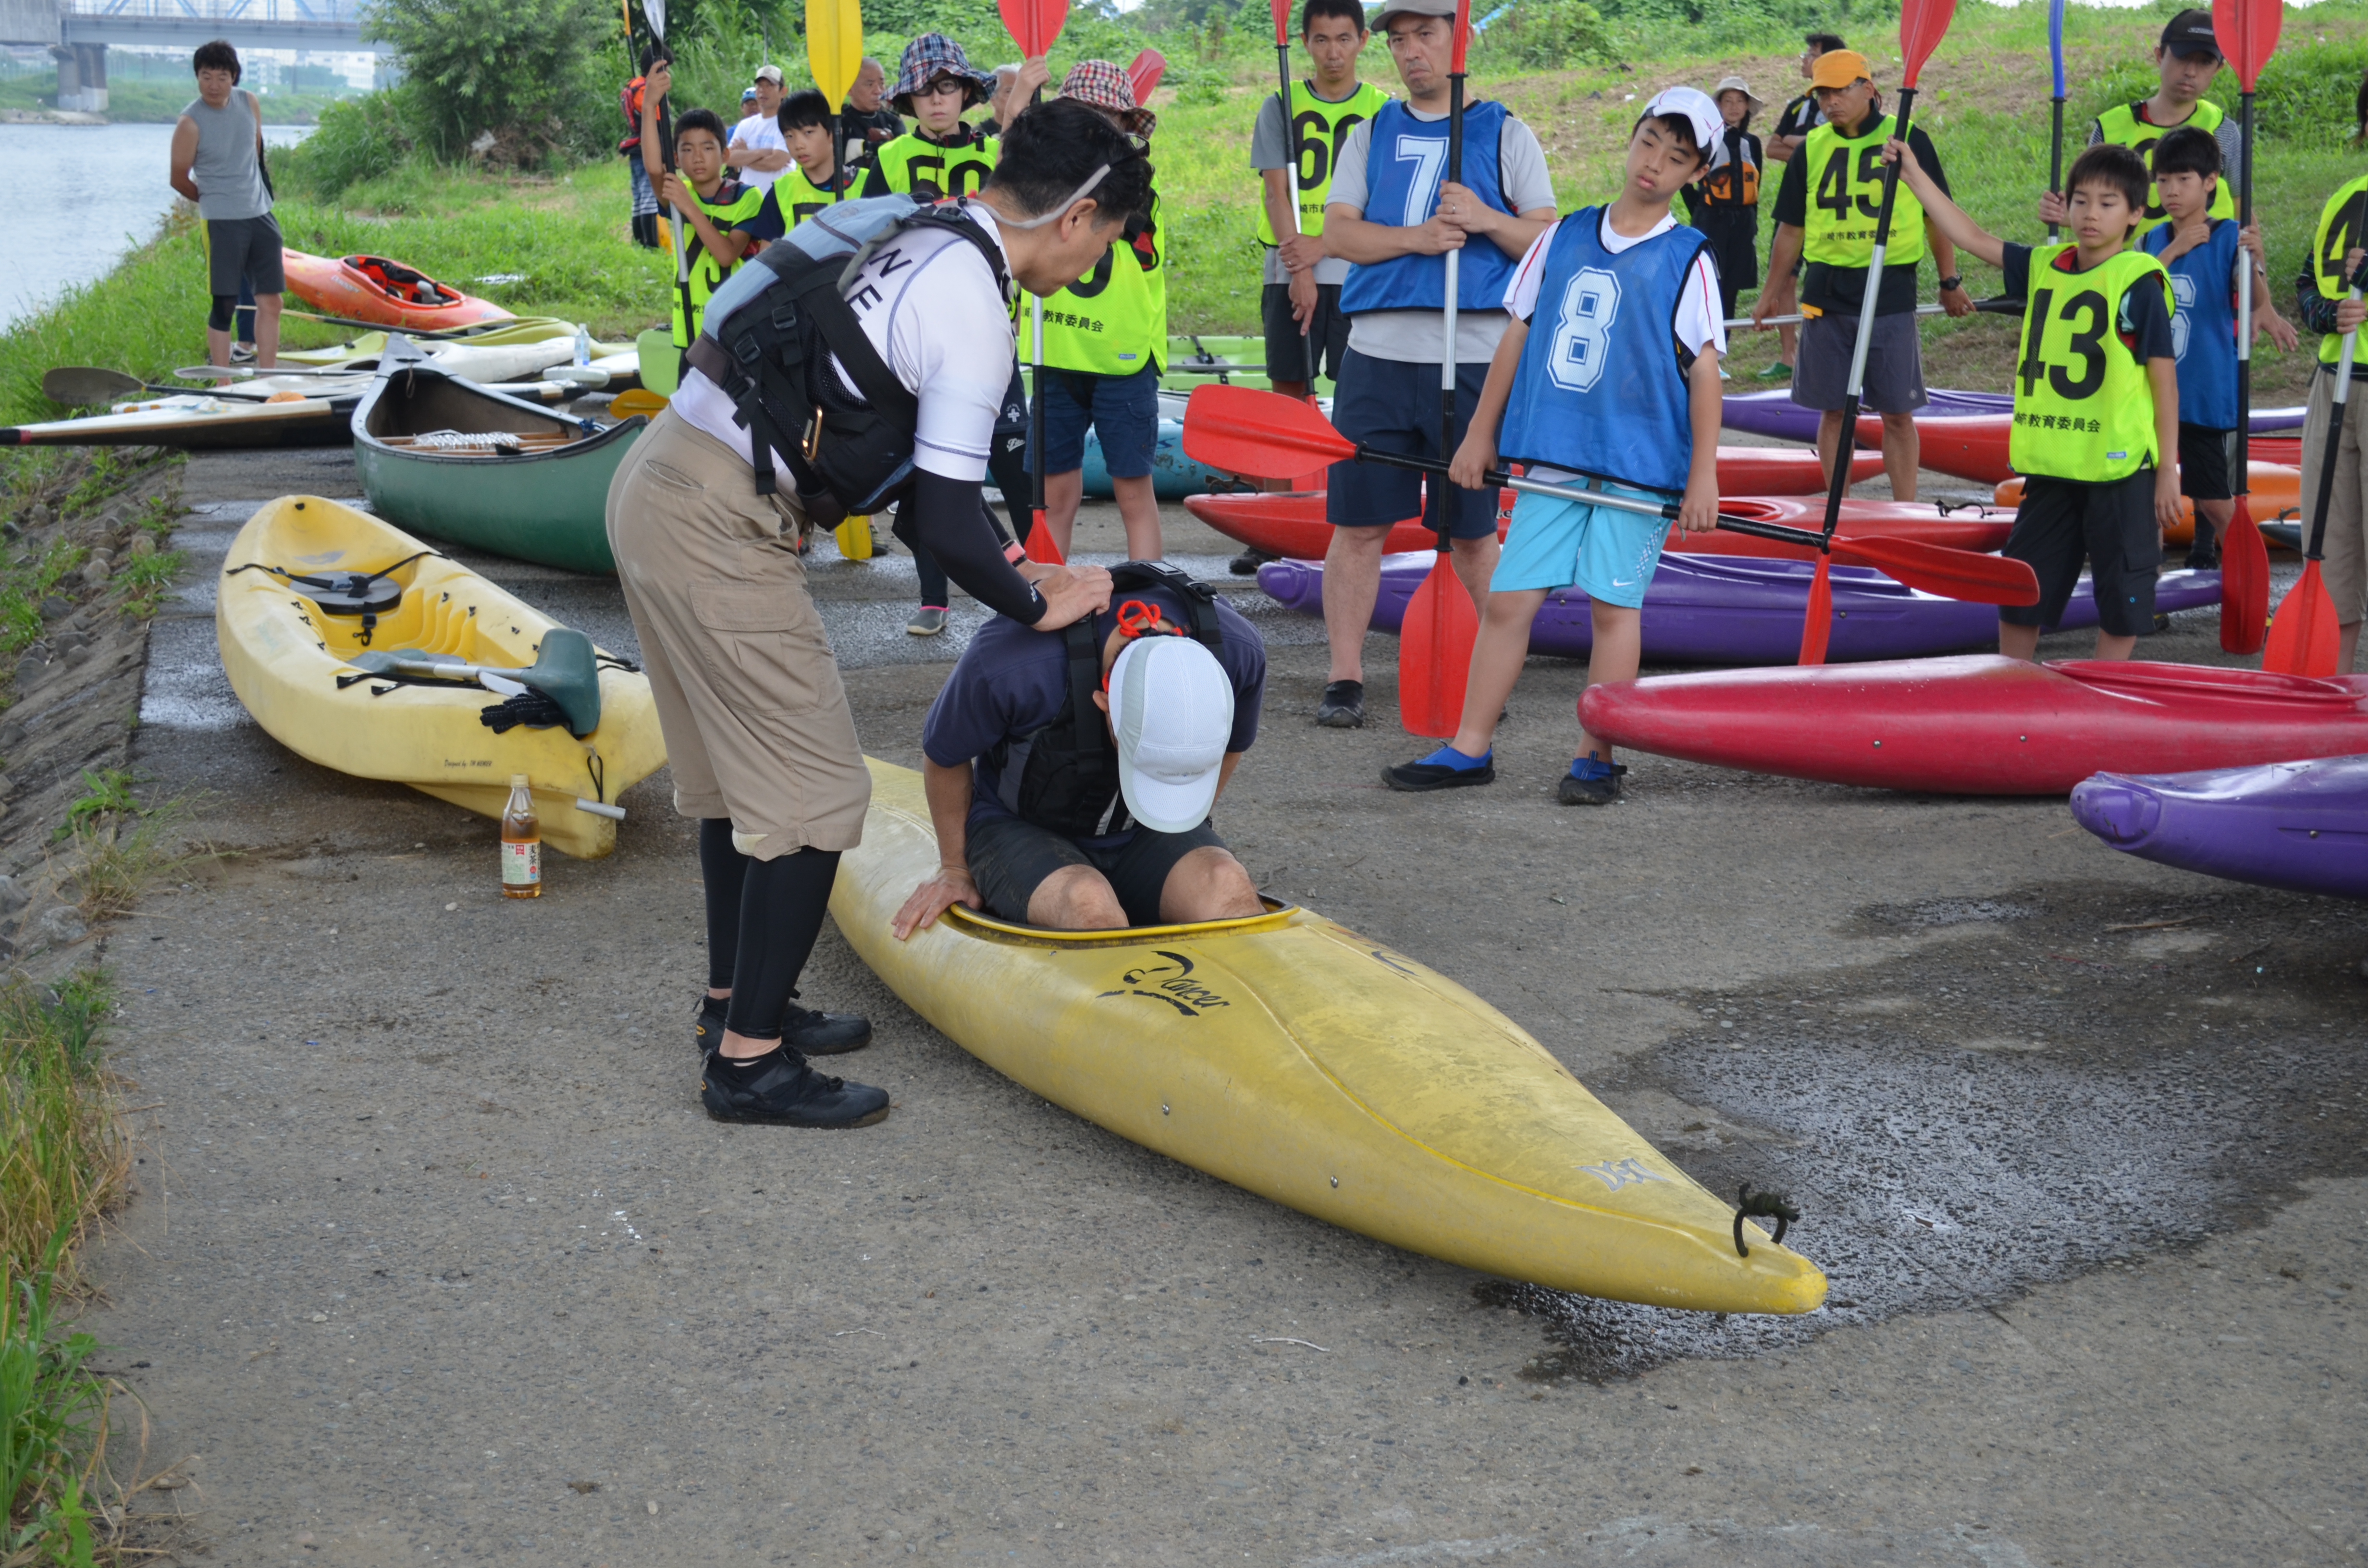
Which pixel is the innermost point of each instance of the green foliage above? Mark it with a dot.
(107, 791)
(145, 577)
(53, 1410)
(517, 69)
(356, 140)
(1545, 35)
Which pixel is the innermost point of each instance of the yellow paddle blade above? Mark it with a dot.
(854, 538)
(639, 400)
(834, 46)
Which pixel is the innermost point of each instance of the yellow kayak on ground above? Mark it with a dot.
(1291, 1057)
(289, 660)
(524, 330)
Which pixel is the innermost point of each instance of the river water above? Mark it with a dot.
(85, 195)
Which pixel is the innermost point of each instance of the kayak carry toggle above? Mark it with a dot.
(1761, 1206)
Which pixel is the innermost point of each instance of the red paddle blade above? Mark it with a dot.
(1040, 546)
(1435, 653)
(1818, 624)
(2302, 637)
(2247, 31)
(1281, 23)
(1034, 24)
(1922, 25)
(1935, 569)
(2243, 584)
(1463, 36)
(1144, 72)
(1245, 430)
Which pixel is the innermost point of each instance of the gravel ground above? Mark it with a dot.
(437, 1258)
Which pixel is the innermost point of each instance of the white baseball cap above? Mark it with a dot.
(1696, 106)
(1172, 710)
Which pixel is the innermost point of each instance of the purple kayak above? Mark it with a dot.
(2302, 825)
(1775, 415)
(1733, 609)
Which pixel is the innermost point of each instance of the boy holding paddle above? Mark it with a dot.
(2096, 399)
(1618, 390)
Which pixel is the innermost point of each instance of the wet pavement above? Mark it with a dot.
(452, 1268)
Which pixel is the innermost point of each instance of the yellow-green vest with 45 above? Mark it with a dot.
(1845, 176)
(1113, 321)
(2083, 404)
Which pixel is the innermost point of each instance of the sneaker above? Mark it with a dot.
(824, 1034)
(1343, 706)
(1246, 563)
(1600, 789)
(1779, 371)
(779, 1088)
(928, 621)
(2210, 562)
(241, 353)
(1415, 778)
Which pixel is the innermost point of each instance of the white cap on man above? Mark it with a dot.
(770, 74)
(1172, 710)
(1695, 106)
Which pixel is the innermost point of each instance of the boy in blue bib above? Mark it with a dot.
(2202, 255)
(1606, 377)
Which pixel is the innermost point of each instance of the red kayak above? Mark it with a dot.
(372, 288)
(1291, 524)
(1980, 724)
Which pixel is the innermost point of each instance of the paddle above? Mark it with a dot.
(2303, 637)
(2247, 34)
(1291, 143)
(86, 386)
(1142, 73)
(1035, 26)
(835, 54)
(1435, 640)
(1921, 24)
(1242, 430)
(2056, 136)
(656, 11)
(2000, 306)
(639, 400)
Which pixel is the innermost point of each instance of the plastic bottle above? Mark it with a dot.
(522, 843)
(583, 345)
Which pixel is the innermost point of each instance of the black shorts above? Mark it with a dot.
(2203, 463)
(1010, 858)
(243, 251)
(1286, 350)
(2060, 522)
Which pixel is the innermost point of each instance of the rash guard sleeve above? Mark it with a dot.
(950, 517)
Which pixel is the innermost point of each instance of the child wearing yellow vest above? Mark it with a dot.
(2096, 400)
(2185, 60)
(711, 206)
(2323, 295)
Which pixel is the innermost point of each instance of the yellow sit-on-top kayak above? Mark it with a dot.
(1290, 1056)
(289, 646)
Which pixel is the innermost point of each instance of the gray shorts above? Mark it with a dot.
(241, 252)
(1895, 364)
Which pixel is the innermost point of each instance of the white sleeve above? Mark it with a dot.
(1348, 187)
(1528, 186)
(1700, 323)
(1521, 293)
(950, 342)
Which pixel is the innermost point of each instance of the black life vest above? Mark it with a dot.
(1063, 775)
(771, 356)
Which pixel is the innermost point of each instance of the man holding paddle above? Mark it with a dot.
(1394, 216)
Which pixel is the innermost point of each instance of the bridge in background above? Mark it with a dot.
(77, 32)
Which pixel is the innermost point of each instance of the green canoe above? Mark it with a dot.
(443, 457)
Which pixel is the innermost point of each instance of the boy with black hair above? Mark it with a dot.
(2185, 60)
(1300, 304)
(2096, 399)
(216, 162)
(1617, 390)
(2208, 261)
(712, 208)
(804, 188)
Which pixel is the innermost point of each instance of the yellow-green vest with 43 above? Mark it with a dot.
(2083, 405)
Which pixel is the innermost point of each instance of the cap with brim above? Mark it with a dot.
(1104, 86)
(1172, 711)
(929, 57)
(1737, 85)
(770, 74)
(1393, 8)
(2189, 34)
(1694, 105)
(1840, 68)
(747, 95)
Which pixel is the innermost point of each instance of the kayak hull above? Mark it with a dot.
(1962, 433)
(1982, 724)
(518, 331)
(336, 287)
(2276, 487)
(549, 506)
(2300, 825)
(1289, 524)
(1716, 610)
(284, 657)
(1299, 1061)
(198, 421)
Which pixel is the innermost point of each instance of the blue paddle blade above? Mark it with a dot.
(2056, 41)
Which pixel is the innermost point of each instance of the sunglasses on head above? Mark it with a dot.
(1135, 619)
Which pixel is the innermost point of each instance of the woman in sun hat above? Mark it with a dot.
(1725, 203)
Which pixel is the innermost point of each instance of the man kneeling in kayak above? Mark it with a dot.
(1070, 773)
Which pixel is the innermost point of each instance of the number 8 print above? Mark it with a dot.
(1582, 340)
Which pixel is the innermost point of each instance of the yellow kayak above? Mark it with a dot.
(522, 331)
(1291, 1057)
(286, 655)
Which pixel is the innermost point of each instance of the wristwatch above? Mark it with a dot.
(1949, 283)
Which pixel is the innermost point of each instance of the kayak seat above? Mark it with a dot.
(2149, 679)
(994, 926)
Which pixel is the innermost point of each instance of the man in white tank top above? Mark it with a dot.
(218, 164)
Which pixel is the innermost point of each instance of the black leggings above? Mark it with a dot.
(762, 919)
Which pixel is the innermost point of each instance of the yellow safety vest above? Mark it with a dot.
(1845, 175)
(2342, 224)
(1113, 321)
(797, 196)
(2083, 405)
(2121, 126)
(914, 162)
(1318, 127)
(732, 203)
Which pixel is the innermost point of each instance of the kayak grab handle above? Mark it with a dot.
(600, 808)
(1761, 1206)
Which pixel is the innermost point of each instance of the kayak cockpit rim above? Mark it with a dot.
(996, 928)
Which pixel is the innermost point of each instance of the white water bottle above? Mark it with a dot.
(583, 345)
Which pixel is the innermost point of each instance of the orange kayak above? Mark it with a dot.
(1291, 524)
(382, 293)
(2276, 486)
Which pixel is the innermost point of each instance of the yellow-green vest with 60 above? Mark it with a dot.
(914, 162)
(1113, 321)
(1317, 129)
(1845, 176)
(2083, 404)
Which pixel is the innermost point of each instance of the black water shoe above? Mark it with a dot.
(1414, 778)
(1343, 706)
(1246, 563)
(1602, 790)
(708, 1032)
(779, 1088)
(803, 1029)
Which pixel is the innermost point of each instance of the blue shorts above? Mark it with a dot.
(1608, 554)
(1394, 405)
(1122, 410)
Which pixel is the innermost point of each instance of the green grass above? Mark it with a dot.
(52, 1418)
(132, 101)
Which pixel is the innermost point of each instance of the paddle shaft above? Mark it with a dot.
(2317, 551)
(2056, 136)
(2244, 295)
(1846, 447)
(1291, 170)
(1442, 517)
(2000, 307)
